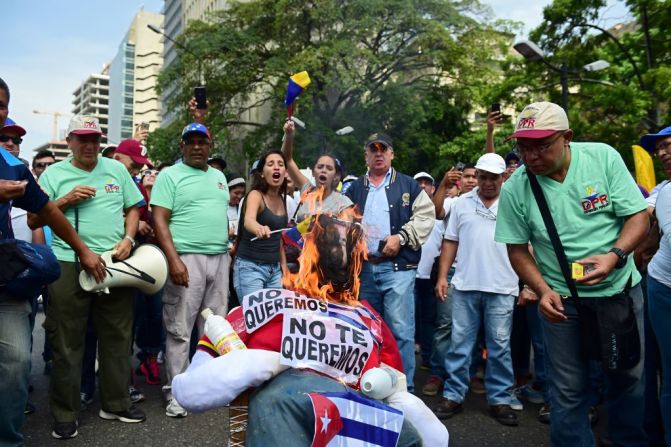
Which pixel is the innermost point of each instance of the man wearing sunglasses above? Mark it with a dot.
(600, 216)
(480, 295)
(398, 216)
(41, 161)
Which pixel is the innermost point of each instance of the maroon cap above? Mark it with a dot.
(136, 151)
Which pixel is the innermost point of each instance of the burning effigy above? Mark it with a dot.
(324, 367)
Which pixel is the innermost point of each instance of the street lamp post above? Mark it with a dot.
(158, 30)
(532, 52)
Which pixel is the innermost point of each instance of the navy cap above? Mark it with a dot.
(196, 128)
(648, 141)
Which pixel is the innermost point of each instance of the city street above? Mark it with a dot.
(471, 428)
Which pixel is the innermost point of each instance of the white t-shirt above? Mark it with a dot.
(20, 225)
(430, 250)
(652, 198)
(483, 263)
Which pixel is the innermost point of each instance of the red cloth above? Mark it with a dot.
(269, 338)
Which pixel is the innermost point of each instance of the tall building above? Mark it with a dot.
(177, 15)
(92, 98)
(133, 75)
(59, 148)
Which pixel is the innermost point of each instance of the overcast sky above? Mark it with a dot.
(51, 46)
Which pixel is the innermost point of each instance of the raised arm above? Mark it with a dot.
(288, 150)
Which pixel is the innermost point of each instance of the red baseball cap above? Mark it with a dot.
(136, 151)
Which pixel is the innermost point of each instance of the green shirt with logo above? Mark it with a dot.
(198, 201)
(98, 220)
(588, 209)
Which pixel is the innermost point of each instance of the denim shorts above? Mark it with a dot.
(250, 276)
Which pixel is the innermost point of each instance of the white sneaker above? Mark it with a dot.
(174, 409)
(515, 404)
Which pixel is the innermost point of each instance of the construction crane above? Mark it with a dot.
(54, 129)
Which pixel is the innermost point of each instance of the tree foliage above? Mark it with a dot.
(415, 69)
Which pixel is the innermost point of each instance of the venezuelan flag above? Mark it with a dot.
(645, 170)
(297, 83)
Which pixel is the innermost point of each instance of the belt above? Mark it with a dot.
(378, 259)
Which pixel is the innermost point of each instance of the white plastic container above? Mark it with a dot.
(379, 383)
(221, 333)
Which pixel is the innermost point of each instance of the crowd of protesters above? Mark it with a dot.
(531, 250)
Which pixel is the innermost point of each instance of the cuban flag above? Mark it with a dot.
(347, 419)
(297, 83)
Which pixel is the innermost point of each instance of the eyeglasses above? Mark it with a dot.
(43, 165)
(378, 147)
(664, 146)
(538, 148)
(149, 172)
(15, 140)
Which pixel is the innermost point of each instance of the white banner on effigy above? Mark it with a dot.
(263, 305)
(325, 343)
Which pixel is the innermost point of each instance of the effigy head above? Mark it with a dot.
(332, 257)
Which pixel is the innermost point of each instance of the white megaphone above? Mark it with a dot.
(146, 270)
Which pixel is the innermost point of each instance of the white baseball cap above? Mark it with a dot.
(493, 163)
(540, 120)
(423, 174)
(84, 125)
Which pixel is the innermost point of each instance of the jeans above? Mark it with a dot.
(469, 309)
(250, 276)
(571, 390)
(14, 368)
(442, 333)
(659, 309)
(391, 295)
(425, 318)
(536, 333)
(148, 325)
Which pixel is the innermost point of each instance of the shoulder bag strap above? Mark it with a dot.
(554, 235)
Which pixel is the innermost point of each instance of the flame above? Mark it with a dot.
(312, 278)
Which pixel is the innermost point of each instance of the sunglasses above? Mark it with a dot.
(43, 165)
(149, 172)
(15, 140)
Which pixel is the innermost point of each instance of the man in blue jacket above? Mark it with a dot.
(398, 216)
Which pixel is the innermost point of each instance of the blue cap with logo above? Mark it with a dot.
(196, 128)
(648, 141)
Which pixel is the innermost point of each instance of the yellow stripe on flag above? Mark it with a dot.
(645, 170)
(301, 79)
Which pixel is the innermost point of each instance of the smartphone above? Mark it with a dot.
(201, 97)
(144, 126)
(381, 245)
(460, 166)
(496, 107)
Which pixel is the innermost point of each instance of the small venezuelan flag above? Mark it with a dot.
(297, 83)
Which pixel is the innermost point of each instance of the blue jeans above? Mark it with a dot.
(571, 391)
(14, 368)
(442, 333)
(250, 276)
(148, 324)
(469, 309)
(659, 310)
(536, 333)
(425, 316)
(391, 295)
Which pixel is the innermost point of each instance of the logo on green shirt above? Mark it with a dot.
(594, 200)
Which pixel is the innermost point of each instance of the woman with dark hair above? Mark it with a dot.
(327, 174)
(259, 260)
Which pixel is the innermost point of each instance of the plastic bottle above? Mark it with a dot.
(221, 333)
(379, 383)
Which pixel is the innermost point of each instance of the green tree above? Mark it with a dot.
(415, 69)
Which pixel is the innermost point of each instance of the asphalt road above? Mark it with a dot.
(473, 427)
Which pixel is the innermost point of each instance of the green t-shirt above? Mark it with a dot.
(100, 220)
(198, 201)
(588, 209)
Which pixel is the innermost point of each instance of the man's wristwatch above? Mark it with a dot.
(621, 257)
(132, 241)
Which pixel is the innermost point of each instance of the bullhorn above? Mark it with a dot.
(146, 270)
